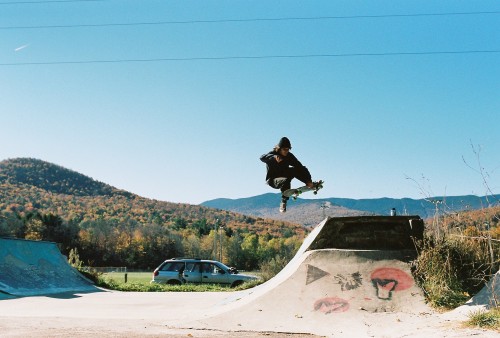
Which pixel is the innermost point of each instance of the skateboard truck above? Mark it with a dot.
(294, 193)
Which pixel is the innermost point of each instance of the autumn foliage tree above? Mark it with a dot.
(112, 227)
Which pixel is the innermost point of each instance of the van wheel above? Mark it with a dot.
(174, 282)
(236, 283)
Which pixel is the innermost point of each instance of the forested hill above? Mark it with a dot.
(112, 227)
(30, 185)
(53, 178)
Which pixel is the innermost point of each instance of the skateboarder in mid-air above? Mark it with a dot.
(282, 167)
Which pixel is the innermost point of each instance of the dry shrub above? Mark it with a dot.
(452, 269)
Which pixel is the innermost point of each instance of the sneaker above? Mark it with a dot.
(283, 206)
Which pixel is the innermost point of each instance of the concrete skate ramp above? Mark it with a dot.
(30, 268)
(327, 290)
(487, 298)
(369, 233)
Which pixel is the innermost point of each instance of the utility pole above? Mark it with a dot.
(215, 238)
(221, 228)
(325, 206)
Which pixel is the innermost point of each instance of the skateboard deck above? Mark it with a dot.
(295, 192)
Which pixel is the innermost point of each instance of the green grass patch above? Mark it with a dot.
(141, 282)
(485, 319)
(132, 277)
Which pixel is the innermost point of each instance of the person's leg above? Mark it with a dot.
(304, 177)
(282, 183)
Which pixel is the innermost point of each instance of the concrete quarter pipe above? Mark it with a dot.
(30, 268)
(336, 280)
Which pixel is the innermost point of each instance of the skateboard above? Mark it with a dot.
(294, 193)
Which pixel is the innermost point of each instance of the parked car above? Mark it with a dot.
(177, 271)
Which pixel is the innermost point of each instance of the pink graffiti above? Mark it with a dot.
(331, 305)
(387, 280)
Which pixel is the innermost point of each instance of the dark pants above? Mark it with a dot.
(284, 183)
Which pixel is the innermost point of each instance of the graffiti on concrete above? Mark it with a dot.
(385, 280)
(314, 273)
(351, 282)
(346, 282)
(331, 305)
(389, 280)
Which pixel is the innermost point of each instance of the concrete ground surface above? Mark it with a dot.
(178, 314)
(115, 314)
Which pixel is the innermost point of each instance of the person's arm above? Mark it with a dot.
(294, 162)
(269, 158)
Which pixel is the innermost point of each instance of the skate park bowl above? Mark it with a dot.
(29, 268)
(347, 268)
(328, 289)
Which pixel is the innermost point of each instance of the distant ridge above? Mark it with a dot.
(308, 211)
(30, 185)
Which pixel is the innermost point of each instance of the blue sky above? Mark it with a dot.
(177, 100)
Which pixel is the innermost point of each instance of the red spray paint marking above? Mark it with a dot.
(399, 280)
(389, 280)
(331, 305)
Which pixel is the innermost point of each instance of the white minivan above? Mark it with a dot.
(181, 270)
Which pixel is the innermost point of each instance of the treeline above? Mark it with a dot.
(130, 243)
(112, 227)
(31, 185)
(139, 232)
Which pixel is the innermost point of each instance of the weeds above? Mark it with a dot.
(450, 270)
(112, 284)
(273, 267)
(247, 285)
(485, 319)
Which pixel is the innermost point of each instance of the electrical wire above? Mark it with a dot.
(249, 57)
(246, 20)
(45, 2)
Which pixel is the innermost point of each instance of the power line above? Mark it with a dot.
(249, 57)
(246, 20)
(44, 2)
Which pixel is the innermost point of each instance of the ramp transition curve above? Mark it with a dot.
(30, 268)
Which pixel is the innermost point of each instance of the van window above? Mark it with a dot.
(193, 267)
(172, 266)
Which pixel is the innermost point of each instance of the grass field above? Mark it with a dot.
(132, 277)
(140, 282)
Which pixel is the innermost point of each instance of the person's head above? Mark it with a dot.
(283, 146)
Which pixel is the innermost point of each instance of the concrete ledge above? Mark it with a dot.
(370, 233)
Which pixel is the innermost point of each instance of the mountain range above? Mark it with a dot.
(310, 212)
(32, 185)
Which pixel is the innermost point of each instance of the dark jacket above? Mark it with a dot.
(289, 166)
